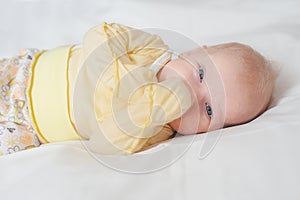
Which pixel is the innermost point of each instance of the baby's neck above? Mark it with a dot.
(161, 74)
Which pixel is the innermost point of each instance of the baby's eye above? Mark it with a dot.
(208, 110)
(201, 74)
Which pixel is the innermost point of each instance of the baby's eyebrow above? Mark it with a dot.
(195, 67)
(218, 110)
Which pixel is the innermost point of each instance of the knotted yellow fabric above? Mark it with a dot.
(132, 109)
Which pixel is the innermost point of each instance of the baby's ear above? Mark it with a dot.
(171, 99)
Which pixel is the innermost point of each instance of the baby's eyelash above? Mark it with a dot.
(208, 110)
(201, 74)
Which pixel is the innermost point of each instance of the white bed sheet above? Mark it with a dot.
(258, 160)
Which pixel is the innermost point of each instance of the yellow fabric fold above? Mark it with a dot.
(49, 96)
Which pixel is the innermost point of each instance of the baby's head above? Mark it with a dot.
(245, 75)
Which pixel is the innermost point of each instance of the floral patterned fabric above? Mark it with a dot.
(16, 130)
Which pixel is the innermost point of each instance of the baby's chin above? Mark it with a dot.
(184, 129)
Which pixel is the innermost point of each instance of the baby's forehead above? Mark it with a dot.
(226, 61)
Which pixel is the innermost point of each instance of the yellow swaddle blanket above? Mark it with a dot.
(113, 97)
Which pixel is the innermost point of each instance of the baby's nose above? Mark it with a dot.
(202, 91)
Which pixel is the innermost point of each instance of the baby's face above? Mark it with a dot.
(219, 98)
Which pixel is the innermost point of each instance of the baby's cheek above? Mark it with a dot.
(190, 122)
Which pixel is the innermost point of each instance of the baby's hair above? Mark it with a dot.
(255, 68)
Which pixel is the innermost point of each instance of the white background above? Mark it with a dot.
(258, 160)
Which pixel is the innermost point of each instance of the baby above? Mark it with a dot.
(123, 90)
(247, 78)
